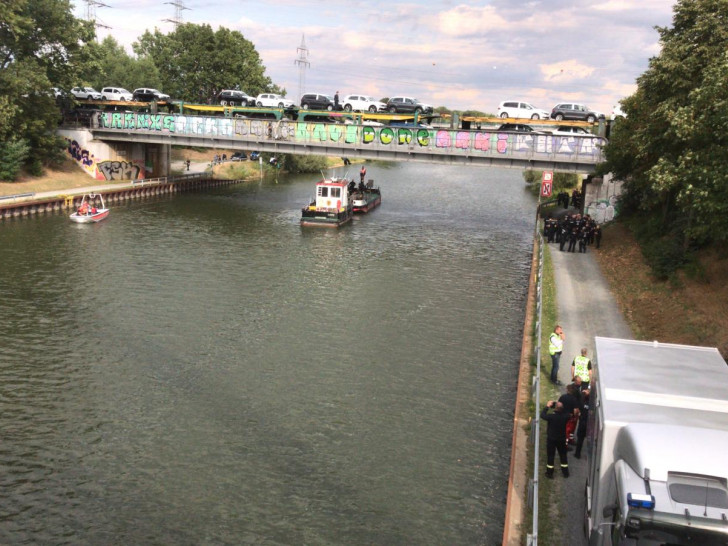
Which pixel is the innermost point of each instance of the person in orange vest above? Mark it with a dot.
(362, 174)
(83, 209)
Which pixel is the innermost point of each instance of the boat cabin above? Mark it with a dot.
(332, 195)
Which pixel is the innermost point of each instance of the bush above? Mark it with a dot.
(13, 154)
(304, 163)
(664, 256)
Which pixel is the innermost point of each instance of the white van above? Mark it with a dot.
(520, 109)
(115, 93)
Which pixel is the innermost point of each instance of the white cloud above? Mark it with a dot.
(631, 5)
(467, 20)
(566, 71)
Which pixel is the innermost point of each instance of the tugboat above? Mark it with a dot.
(331, 207)
(366, 197)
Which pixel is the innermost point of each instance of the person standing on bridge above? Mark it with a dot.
(556, 346)
(336, 101)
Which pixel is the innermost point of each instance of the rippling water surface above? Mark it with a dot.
(200, 370)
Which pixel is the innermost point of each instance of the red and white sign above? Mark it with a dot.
(547, 183)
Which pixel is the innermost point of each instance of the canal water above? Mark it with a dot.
(199, 369)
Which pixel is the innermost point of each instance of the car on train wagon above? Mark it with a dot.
(575, 111)
(520, 109)
(517, 128)
(234, 97)
(568, 130)
(272, 100)
(88, 93)
(408, 105)
(148, 94)
(317, 101)
(363, 103)
(115, 93)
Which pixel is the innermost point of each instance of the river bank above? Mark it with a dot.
(609, 292)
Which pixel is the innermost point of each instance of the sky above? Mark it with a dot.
(462, 55)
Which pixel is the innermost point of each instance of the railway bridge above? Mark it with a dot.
(361, 139)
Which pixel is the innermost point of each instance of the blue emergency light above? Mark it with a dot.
(640, 501)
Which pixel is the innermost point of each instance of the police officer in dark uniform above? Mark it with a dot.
(555, 437)
(583, 420)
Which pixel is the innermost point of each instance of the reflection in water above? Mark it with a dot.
(199, 369)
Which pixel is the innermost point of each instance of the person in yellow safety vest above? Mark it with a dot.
(582, 367)
(556, 346)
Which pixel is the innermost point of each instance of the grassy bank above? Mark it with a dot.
(549, 515)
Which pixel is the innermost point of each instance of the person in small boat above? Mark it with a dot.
(83, 209)
(362, 174)
(362, 186)
(352, 186)
(94, 210)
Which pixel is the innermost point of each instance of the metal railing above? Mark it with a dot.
(532, 538)
(17, 196)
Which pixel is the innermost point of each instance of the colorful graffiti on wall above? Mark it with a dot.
(119, 170)
(84, 158)
(480, 142)
(102, 170)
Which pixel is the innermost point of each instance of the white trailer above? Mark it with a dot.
(657, 443)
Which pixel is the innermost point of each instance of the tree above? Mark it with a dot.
(671, 147)
(196, 62)
(41, 45)
(119, 69)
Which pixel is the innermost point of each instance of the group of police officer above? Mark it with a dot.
(572, 229)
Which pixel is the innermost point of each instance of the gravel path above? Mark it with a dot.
(586, 308)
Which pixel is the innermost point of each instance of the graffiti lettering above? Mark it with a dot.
(423, 137)
(405, 136)
(351, 132)
(482, 142)
(386, 136)
(119, 170)
(462, 140)
(442, 140)
(502, 144)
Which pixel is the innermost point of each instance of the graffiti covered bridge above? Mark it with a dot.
(483, 147)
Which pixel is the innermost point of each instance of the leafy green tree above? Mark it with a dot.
(13, 152)
(671, 146)
(42, 45)
(116, 68)
(196, 62)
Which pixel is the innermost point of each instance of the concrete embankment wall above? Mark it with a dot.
(31, 205)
